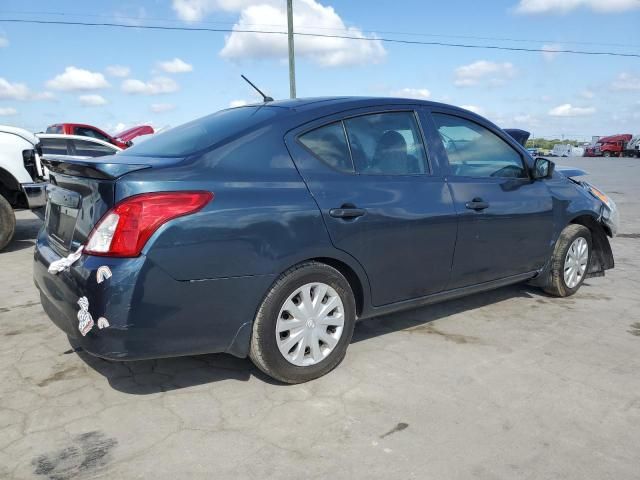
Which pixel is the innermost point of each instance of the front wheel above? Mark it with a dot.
(7, 222)
(304, 325)
(570, 261)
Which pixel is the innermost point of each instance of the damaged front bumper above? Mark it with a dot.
(610, 217)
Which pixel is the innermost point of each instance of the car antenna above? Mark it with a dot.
(265, 98)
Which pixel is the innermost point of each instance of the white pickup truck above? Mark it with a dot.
(22, 177)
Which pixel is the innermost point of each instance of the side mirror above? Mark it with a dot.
(543, 168)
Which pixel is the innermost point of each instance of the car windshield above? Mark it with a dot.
(200, 134)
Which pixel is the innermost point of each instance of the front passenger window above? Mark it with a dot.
(475, 151)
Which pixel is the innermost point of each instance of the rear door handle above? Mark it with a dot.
(477, 204)
(347, 212)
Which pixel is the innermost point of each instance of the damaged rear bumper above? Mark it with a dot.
(149, 313)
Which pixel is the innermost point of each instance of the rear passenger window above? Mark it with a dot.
(53, 146)
(386, 144)
(329, 144)
(91, 149)
(475, 151)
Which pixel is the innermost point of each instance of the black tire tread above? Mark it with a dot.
(7, 222)
(256, 351)
(556, 286)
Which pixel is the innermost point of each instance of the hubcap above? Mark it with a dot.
(310, 323)
(575, 263)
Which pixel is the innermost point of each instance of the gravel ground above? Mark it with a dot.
(508, 384)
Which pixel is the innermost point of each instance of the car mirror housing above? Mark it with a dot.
(543, 168)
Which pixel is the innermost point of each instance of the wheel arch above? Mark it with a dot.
(10, 188)
(602, 256)
(348, 268)
(350, 275)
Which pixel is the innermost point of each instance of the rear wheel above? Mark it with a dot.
(7, 222)
(570, 261)
(606, 154)
(304, 325)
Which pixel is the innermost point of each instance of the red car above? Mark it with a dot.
(122, 140)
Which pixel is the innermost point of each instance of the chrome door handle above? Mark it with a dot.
(347, 213)
(477, 204)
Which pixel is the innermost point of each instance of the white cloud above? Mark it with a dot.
(19, 91)
(75, 78)
(564, 6)
(43, 96)
(568, 110)
(7, 111)
(473, 108)
(484, 72)
(550, 51)
(4, 42)
(309, 16)
(588, 94)
(419, 93)
(118, 71)
(162, 107)
(155, 86)
(525, 118)
(13, 91)
(626, 82)
(176, 65)
(92, 100)
(196, 10)
(238, 103)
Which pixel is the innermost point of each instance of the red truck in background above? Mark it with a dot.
(612, 146)
(122, 139)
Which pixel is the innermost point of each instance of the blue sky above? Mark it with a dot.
(114, 78)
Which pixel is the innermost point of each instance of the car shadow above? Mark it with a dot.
(25, 234)
(382, 325)
(145, 377)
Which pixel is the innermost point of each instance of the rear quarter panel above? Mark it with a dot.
(261, 221)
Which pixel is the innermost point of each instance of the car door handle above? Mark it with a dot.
(477, 204)
(347, 212)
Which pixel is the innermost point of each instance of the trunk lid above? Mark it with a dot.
(81, 191)
(520, 136)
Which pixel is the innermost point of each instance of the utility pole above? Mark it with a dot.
(292, 60)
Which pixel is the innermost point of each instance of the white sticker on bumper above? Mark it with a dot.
(103, 273)
(103, 323)
(85, 321)
(61, 265)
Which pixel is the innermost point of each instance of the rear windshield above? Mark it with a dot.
(200, 134)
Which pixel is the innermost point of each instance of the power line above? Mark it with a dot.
(321, 35)
(366, 31)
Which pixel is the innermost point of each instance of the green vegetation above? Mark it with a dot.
(546, 144)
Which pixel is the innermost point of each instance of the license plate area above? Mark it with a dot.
(61, 215)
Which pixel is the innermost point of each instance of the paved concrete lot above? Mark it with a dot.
(509, 384)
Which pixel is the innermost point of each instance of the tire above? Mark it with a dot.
(7, 222)
(572, 235)
(266, 344)
(606, 154)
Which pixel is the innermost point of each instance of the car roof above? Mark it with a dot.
(21, 132)
(344, 103)
(83, 125)
(79, 137)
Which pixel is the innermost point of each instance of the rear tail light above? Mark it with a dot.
(124, 230)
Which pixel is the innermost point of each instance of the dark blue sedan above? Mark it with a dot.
(268, 230)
